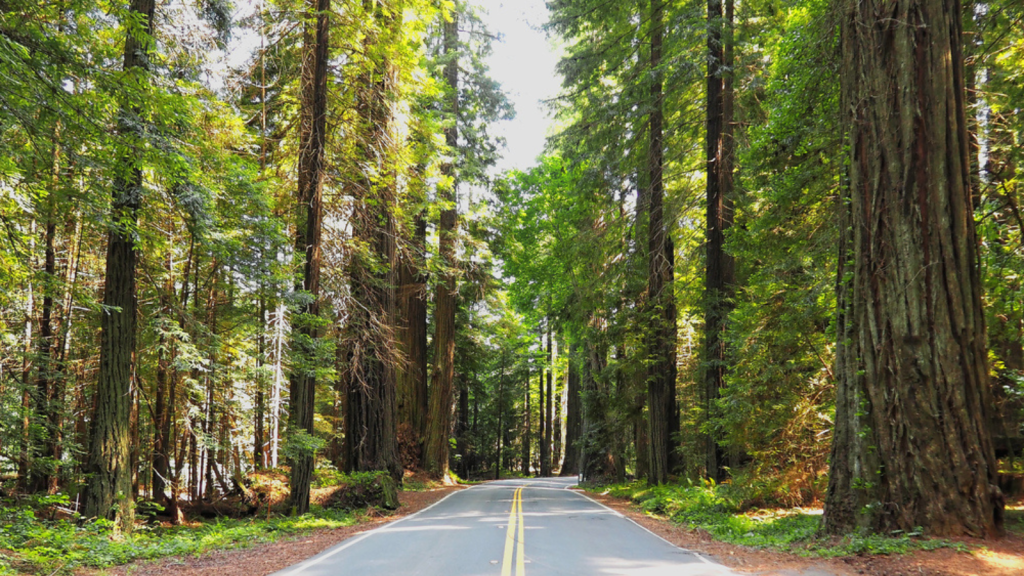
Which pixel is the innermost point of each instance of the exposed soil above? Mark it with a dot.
(1004, 557)
(269, 558)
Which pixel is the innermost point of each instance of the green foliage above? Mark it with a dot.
(34, 544)
(721, 511)
(299, 443)
(778, 401)
(1015, 520)
(325, 477)
(376, 489)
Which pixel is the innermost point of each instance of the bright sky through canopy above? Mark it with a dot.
(524, 63)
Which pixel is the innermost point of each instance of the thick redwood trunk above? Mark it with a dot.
(442, 391)
(719, 276)
(371, 426)
(411, 337)
(312, 135)
(911, 446)
(661, 378)
(108, 489)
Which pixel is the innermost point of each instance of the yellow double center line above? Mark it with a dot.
(515, 520)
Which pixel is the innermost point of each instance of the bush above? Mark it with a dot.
(362, 490)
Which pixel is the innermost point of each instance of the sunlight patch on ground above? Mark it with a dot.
(1010, 563)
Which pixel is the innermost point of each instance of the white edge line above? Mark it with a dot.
(644, 528)
(351, 541)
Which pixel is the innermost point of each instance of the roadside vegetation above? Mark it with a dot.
(725, 513)
(41, 534)
(37, 538)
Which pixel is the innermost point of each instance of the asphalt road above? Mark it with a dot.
(509, 528)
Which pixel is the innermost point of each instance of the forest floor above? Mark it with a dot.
(271, 557)
(1004, 557)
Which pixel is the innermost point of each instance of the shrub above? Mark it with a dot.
(362, 490)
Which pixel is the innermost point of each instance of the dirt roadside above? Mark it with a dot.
(269, 558)
(1003, 557)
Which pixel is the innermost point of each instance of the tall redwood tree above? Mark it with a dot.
(442, 391)
(911, 445)
(312, 134)
(663, 415)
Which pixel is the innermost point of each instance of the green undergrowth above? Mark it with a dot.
(719, 510)
(1015, 518)
(32, 544)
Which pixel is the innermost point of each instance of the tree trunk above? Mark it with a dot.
(108, 488)
(911, 446)
(47, 408)
(500, 432)
(720, 276)
(371, 427)
(527, 436)
(278, 384)
(545, 414)
(411, 338)
(442, 390)
(556, 423)
(541, 432)
(462, 429)
(661, 378)
(573, 422)
(594, 456)
(161, 419)
(259, 434)
(25, 454)
(73, 227)
(45, 477)
(641, 441)
(312, 135)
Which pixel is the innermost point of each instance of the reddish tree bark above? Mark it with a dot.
(663, 417)
(911, 445)
(312, 137)
(442, 393)
(720, 275)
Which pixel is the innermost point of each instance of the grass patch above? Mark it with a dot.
(33, 545)
(718, 510)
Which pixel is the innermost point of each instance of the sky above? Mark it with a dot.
(523, 62)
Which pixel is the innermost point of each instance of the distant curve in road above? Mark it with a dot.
(534, 527)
